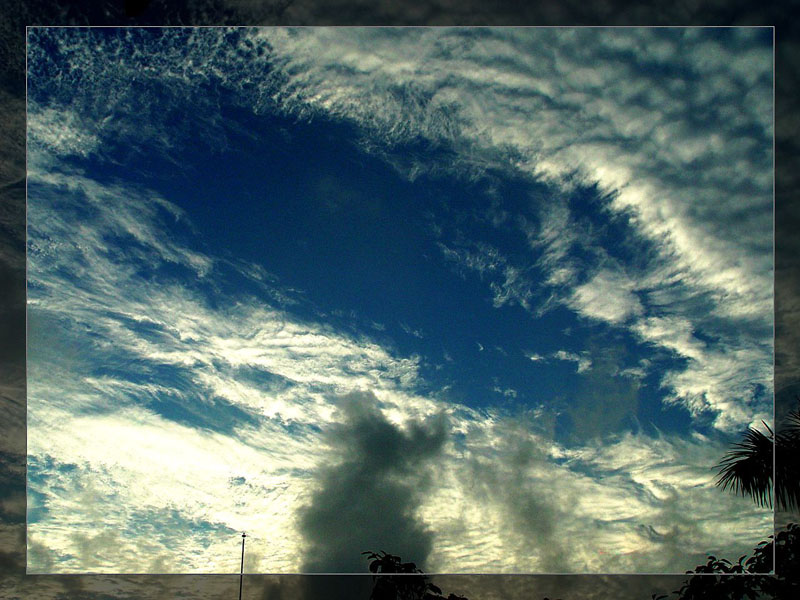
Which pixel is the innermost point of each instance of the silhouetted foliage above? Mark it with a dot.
(747, 469)
(785, 583)
(407, 582)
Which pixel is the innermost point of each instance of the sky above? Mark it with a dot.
(493, 300)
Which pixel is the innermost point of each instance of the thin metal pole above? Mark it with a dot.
(241, 571)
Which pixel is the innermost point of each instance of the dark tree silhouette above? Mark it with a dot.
(397, 580)
(748, 467)
(784, 584)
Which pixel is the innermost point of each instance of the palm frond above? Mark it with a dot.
(747, 468)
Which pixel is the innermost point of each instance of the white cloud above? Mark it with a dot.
(417, 333)
(555, 236)
(134, 468)
(515, 287)
(583, 361)
(60, 133)
(638, 135)
(133, 461)
(507, 392)
(509, 284)
(501, 493)
(132, 457)
(608, 296)
(719, 377)
(678, 138)
(636, 141)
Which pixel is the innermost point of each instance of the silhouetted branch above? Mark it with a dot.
(747, 469)
(408, 582)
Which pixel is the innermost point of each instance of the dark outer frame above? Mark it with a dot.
(17, 14)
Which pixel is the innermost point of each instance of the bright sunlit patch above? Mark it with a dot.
(493, 300)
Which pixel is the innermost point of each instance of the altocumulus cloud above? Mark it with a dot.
(674, 124)
(470, 491)
(195, 368)
(480, 497)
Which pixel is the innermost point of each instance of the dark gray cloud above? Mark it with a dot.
(531, 503)
(367, 499)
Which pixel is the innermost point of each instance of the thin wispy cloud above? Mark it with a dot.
(640, 125)
(494, 298)
(582, 361)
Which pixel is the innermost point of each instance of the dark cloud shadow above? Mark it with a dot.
(605, 402)
(367, 497)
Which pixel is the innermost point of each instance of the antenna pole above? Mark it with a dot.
(241, 571)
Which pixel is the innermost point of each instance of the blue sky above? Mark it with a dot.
(495, 300)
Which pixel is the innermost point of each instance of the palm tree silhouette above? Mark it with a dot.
(748, 467)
